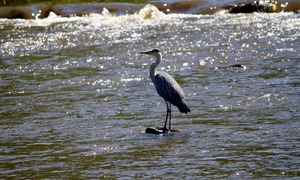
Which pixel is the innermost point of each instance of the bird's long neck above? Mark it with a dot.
(153, 67)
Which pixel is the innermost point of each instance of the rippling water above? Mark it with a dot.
(76, 97)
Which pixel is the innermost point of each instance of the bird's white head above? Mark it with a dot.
(153, 52)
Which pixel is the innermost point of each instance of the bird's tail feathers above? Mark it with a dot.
(183, 108)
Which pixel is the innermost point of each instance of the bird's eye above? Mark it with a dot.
(155, 50)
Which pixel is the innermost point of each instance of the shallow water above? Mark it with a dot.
(76, 97)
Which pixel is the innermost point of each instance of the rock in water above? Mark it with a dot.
(158, 130)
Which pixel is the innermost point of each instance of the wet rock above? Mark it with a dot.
(67, 10)
(291, 6)
(256, 6)
(159, 130)
(233, 66)
(25, 12)
(185, 7)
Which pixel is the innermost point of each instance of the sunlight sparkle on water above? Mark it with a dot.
(79, 84)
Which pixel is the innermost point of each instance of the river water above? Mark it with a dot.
(76, 97)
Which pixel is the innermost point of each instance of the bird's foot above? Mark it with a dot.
(167, 130)
(164, 130)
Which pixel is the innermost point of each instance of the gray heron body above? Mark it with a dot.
(167, 87)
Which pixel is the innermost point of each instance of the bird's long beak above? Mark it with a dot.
(144, 52)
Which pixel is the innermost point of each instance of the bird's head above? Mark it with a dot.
(153, 52)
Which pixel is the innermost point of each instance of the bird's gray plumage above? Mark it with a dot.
(167, 87)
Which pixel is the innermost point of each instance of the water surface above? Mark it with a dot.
(76, 97)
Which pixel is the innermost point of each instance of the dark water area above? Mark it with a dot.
(76, 96)
(42, 9)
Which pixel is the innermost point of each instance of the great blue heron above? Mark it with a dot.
(167, 88)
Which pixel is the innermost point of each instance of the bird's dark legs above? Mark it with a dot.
(168, 114)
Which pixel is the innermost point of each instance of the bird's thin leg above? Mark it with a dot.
(165, 127)
(170, 111)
